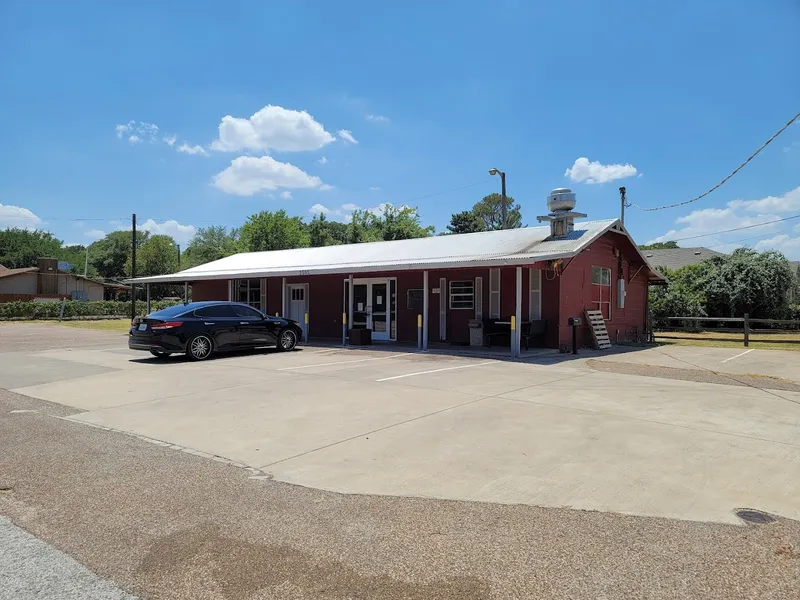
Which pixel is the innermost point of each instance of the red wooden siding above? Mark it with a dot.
(563, 295)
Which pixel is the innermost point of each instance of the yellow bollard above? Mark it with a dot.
(513, 335)
(419, 332)
(513, 323)
(306, 319)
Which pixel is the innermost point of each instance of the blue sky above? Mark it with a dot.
(318, 106)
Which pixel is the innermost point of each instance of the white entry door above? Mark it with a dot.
(298, 305)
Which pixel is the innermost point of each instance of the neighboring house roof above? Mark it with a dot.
(485, 249)
(675, 258)
(12, 272)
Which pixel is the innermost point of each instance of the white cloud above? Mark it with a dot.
(170, 140)
(17, 216)
(374, 188)
(138, 131)
(347, 136)
(186, 148)
(123, 129)
(322, 161)
(180, 233)
(377, 118)
(95, 234)
(319, 209)
(272, 128)
(286, 195)
(248, 175)
(584, 171)
(350, 207)
(703, 225)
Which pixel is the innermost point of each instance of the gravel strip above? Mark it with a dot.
(701, 375)
(33, 570)
(165, 524)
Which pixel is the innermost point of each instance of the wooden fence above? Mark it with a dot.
(729, 325)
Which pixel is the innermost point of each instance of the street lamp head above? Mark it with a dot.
(493, 171)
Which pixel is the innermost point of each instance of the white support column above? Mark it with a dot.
(425, 310)
(186, 292)
(518, 337)
(147, 288)
(283, 297)
(350, 302)
(230, 291)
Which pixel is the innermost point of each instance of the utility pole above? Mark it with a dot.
(133, 266)
(503, 195)
(179, 255)
(86, 263)
(503, 208)
(622, 204)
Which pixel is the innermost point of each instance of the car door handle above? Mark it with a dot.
(204, 323)
(244, 323)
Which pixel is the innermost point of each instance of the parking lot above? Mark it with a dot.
(554, 432)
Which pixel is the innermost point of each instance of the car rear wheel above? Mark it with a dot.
(199, 347)
(287, 340)
(160, 353)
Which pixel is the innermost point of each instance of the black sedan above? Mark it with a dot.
(202, 328)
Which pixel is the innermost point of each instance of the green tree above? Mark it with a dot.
(659, 246)
(490, 211)
(324, 232)
(747, 281)
(465, 222)
(209, 244)
(363, 227)
(110, 256)
(401, 223)
(22, 247)
(158, 255)
(682, 296)
(269, 230)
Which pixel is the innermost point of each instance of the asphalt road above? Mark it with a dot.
(161, 523)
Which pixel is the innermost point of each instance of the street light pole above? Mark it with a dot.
(503, 207)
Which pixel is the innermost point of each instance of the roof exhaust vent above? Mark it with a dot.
(560, 203)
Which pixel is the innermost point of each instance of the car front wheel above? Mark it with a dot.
(199, 347)
(287, 340)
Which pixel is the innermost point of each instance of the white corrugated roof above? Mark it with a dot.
(507, 247)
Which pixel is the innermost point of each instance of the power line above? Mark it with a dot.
(693, 237)
(724, 181)
(752, 237)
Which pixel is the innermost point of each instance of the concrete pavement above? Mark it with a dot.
(163, 524)
(399, 423)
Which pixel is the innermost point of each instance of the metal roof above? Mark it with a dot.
(675, 258)
(489, 248)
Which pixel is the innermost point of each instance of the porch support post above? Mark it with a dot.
(425, 310)
(230, 292)
(185, 292)
(147, 288)
(350, 302)
(283, 296)
(518, 336)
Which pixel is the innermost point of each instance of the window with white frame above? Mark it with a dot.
(494, 293)
(248, 291)
(462, 295)
(601, 290)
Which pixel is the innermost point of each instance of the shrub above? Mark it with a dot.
(52, 310)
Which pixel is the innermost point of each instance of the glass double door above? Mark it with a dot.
(371, 307)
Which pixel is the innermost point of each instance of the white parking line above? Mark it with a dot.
(343, 362)
(488, 362)
(738, 355)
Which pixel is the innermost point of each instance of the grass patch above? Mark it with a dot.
(712, 339)
(117, 325)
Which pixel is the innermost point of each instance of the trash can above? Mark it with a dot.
(475, 332)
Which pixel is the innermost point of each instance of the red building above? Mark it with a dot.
(540, 275)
